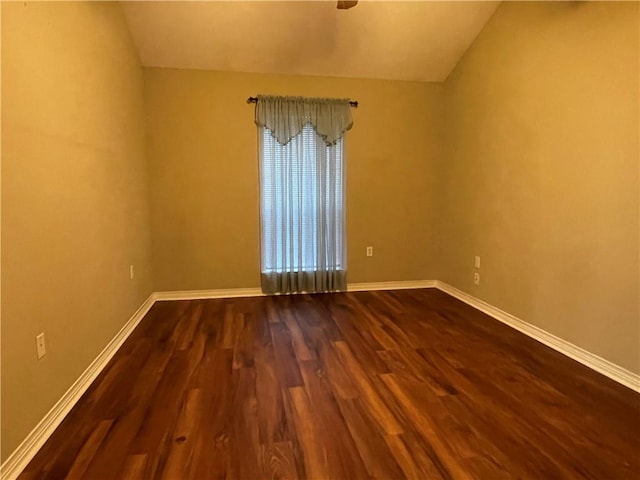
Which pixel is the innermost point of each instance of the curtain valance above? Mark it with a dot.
(286, 116)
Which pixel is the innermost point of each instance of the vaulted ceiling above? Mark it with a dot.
(413, 40)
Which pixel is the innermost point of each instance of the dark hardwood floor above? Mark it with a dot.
(383, 385)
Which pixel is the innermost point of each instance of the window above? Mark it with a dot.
(300, 197)
(302, 209)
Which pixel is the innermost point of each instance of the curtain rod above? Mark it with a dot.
(354, 103)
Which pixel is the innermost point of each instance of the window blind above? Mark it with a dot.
(302, 204)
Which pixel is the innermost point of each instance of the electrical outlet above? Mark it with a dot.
(476, 278)
(477, 262)
(369, 251)
(131, 272)
(41, 348)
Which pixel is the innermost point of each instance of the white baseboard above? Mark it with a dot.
(23, 454)
(400, 285)
(19, 459)
(257, 292)
(599, 364)
(204, 294)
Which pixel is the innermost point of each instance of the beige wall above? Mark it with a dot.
(541, 171)
(74, 208)
(202, 149)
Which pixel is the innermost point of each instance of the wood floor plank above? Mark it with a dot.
(386, 384)
(369, 439)
(218, 385)
(272, 421)
(89, 449)
(343, 460)
(297, 338)
(134, 467)
(361, 342)
(181, 451)
(278, 461)
(243, 351)
(420, 415)
(413, 461)
(370, 397)
(308, 431)
(287, 364)
(340, 379)
(245, 458)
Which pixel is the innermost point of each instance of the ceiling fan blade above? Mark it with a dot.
(344, 4)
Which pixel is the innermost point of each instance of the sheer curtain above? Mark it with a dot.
(302, 193)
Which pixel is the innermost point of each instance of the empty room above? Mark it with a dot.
(320, 240)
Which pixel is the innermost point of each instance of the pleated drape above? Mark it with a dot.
(285, 117)
(302, 212)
